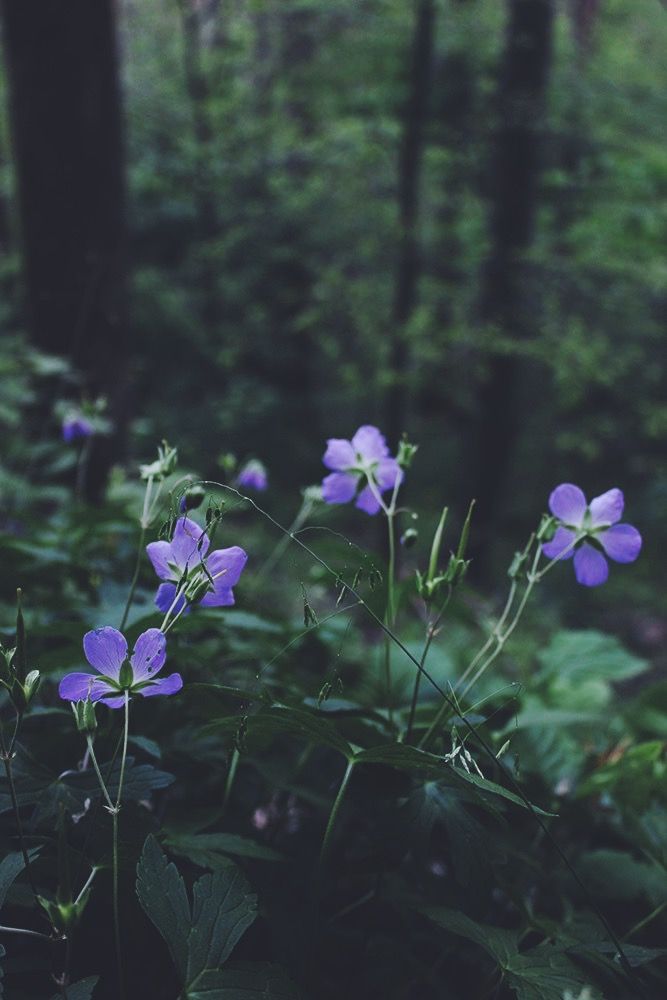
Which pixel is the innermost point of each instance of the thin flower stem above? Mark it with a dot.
(114, 814)
(87, 885)
(390, 614)
(135, 577)
(302, 516)
(498, 637)
(105, 791)
(430, 636)
(326, 843)
(7, 758)
(179, 593)
(23, 930)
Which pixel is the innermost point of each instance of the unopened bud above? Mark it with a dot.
(84, 714)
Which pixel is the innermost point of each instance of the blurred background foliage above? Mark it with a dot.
(446, 217)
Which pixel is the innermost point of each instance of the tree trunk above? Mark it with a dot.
(409, 178)
(65, 114)
(507, 307)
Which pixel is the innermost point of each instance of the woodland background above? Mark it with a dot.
(251, 225)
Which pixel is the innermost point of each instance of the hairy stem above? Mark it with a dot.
(135, 577)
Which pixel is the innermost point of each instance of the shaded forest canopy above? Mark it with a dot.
(448, 217)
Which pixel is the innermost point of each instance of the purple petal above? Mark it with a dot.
(370, 443)
(339, 487)
(150, 652)
(387, 473)
(228, 562)
(164, 597)
(561, 541)
(607, 508)
(339, 454)
(189, 544)
(590, 566)
(80, 687)
(221, 597)
(106, 650)
(621, 542)
(115, 702)
(165, 685)
(366, 501)
(568, 504)
(160, 554)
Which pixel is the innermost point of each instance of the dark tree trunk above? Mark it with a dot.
(508, 306)
(409, 177)
(65, 113)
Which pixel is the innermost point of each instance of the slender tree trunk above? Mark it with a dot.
(66, 123)
(507, 306)
(409, 179)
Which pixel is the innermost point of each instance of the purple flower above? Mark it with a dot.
(356, 464)
(106, 651)
(591, 532)
(253, 476)
(75, 426)
(184, 561)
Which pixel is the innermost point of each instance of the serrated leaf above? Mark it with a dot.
(287, 721)
(11, 867)
(140, 780)
(83, 990)
(161, 892)
(223, 908)
(247, 981)
(408, 758)
(588, 654)
(500, 944)
(205, 849)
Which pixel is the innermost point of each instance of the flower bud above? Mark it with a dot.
(409, 537)
(84, 714)
(406, 452)
(192, 498)
(164, 464)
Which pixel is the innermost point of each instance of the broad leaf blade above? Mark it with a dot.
(247, 981)
(223, 908)
(83, 990)
(11, 867)
(210, 850)
(161, 892)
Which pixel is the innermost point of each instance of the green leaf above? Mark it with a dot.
(617, 875)
(287, 721)
(544, 973)
(407, 758)
(140, 781)
(586, 654)
(161, 892)
(485, 785)
(11, 867)
(223, 908)
(83, 990)
(245, 981)
(209, 850)
(501, 945)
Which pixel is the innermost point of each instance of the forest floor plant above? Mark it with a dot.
(456, 769)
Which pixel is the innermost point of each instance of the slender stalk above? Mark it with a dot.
(231, 775)
(390, 615)
(135, 577)
(114, 814)
(430, 636)
(25, 931)
(103, 786)
(7, 757)
(301, 517)
(326, 843)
